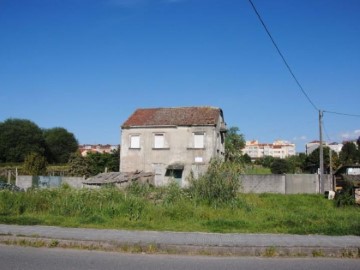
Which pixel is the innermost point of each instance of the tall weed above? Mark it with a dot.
(218, 186)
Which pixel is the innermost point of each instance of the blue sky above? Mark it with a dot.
(86, 65)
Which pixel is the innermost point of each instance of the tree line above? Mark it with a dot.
(23, 141)
(301, 163)
(20, 138)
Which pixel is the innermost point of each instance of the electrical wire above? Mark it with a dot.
(326, 133)
(344, 114)
(282, 57)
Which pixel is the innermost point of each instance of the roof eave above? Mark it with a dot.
(167, 126)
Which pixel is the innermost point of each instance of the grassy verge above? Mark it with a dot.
(173, 209)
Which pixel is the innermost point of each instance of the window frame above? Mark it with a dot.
(159, 135)
(196, 144)
(132, 144)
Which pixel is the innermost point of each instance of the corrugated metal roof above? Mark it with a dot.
(181, 116)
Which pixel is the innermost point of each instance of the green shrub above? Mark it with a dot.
(345, 196)
(219, 185)
(138, 189)
(35, 164)
(173, 193)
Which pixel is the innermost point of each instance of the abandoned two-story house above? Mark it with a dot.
(172, 142)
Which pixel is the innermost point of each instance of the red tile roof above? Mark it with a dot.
(181, 116)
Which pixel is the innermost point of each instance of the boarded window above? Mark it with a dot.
(134, 141)
(159, 141)
(198, 140)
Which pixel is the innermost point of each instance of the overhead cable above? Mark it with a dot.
(282, 57)
(344, 114)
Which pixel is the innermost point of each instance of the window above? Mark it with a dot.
(177, 174)
(135, 141)
(198, 140)
(159, 141)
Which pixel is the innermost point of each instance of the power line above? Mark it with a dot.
(344, 114)
(282, 57)
(326, 133)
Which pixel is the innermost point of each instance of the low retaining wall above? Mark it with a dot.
(28, 181)
(284, 183)
(263, 183)
(268, 183)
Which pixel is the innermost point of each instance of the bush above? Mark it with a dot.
(279, 166)
(35, 164)
(219, 185)
(345, 196)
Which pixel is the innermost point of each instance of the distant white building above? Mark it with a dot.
(277, 149)
(334, 146)
(96, 148)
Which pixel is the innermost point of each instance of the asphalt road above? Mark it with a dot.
(15, 257)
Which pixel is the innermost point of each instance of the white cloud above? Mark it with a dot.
(350, 135)
(300, 138)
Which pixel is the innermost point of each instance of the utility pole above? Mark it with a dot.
(331, 170)
(321, 175)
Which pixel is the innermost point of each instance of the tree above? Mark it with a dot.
(246, 159)
(279, 166)
(265, 161)
(19, 138)
(312, 161)
(60, 144)
(78, 165)
(295, 163)
(234, 142)
(114, 164)
(99, 162)
(35, 164)
(349, 154)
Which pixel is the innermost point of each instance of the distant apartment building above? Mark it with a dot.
(85, 149)
(334, 146)
(277, 149)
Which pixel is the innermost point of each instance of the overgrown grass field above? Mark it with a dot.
(173, 209)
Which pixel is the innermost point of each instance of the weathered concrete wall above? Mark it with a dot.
(74, 182)
(27, 181)
(284, 184)
(328, 184)
(24, 181)
(301, 183)
(267, 183)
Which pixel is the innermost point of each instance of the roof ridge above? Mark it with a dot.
(178, 116)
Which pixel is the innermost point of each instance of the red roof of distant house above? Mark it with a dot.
(182, 116)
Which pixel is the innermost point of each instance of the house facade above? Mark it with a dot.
(277, 149)
(172, 142)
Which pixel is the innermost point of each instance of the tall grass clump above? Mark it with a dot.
(345, 197)
(218, 186)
